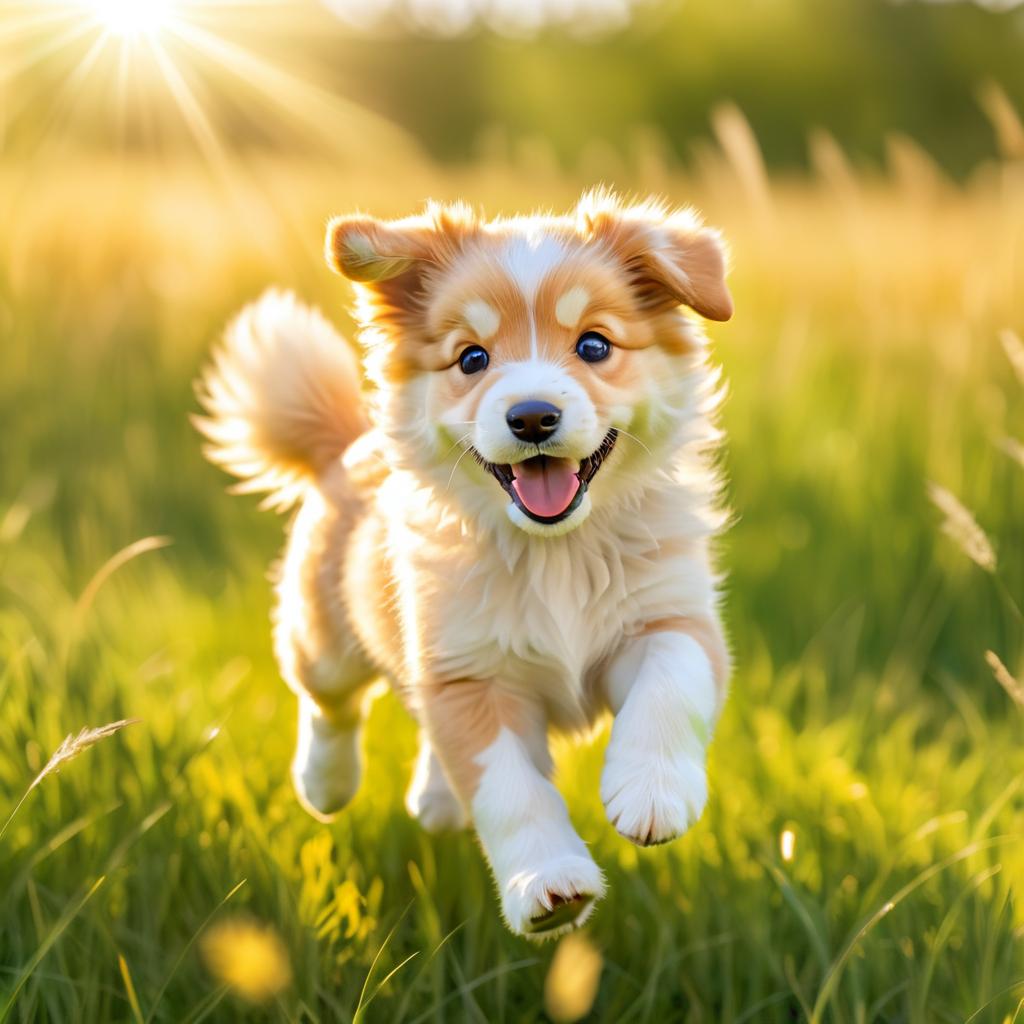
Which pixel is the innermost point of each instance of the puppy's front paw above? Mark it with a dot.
(653, 799)
(554, 898)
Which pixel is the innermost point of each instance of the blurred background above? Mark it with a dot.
(572, 84)
(163, 161)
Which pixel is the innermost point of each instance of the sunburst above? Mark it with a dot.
(168, 63)
(130, 19)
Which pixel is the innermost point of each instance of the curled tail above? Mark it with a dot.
(281, 397)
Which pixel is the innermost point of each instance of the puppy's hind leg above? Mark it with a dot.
(326, 768)
(321, 660)
(429, 798)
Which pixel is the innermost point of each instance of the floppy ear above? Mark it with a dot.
(671, 258)
(392, 261)
(369, 251)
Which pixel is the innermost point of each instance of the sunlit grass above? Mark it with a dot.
(860, 858)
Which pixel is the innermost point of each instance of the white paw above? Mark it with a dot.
(436, 809)
(653, 799)
(326, 769)
(556, 897)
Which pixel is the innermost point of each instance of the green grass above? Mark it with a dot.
(862, 363)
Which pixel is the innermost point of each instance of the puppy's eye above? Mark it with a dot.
(474, 359)
(593, 347)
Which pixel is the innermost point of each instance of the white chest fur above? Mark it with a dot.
(540, 615)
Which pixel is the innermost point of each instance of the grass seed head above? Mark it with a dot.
(74, 745)
(1014, 349)
(961, 526)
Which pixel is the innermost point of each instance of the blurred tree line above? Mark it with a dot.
(859, 68)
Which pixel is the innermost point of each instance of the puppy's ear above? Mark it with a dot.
(392, 262)
(370, 251)
(671, 257)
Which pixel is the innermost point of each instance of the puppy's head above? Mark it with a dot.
(535, 367)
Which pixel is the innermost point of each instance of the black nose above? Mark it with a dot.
(533, 421)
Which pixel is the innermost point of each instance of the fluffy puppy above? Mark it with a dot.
(512, 525)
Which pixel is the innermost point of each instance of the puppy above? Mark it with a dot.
(512, 524)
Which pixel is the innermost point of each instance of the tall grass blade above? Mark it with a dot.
(999, 995)
(109, 567)
(1003, 116)
(360, 1009)
(469, 986)
(943, 934)
(387, 977)
(70, 913)
(806, 921)
(188, 945)
(835, 972)
(1014, 449)
(34, 497)
(832, 166)
(68, 832)
(1014, 349)
(1008, 682)
(207, 1005)
(739, 143)
(129, 987)
(119, 852)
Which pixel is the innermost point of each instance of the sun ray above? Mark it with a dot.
(124, 54)
(17, 26)
(161, 59)
(34, 55)
(191, 111)
(317, 108)
(70, 92)
(67, 95)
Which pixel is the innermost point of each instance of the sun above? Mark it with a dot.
(130, 19)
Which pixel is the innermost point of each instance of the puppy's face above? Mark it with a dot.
(537, 366)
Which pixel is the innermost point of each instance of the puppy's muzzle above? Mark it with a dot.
(533, 421)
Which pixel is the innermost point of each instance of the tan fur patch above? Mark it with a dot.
(463, 718)
(483, 318)
(571, 306)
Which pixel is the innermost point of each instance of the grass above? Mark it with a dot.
(864, 362)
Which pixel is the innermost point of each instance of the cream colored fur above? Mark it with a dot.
(407, 560)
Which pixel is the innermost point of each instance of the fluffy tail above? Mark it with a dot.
(281, 397)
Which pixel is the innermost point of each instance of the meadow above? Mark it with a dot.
(861, 858)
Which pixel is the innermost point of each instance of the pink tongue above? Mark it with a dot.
(546, 486)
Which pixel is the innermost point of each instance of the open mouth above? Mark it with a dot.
(548, 488)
